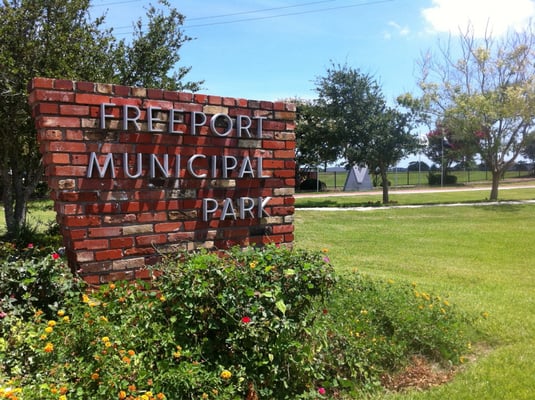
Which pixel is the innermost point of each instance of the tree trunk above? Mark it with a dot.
(16, 194)
(384, 178)
(496, 175)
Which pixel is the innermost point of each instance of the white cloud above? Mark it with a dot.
(400, 30)
(454, 15)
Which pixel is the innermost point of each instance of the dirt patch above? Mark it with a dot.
(420, 374)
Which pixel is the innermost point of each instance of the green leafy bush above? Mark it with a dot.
(273, 323)
(34, 278)
(435, 179)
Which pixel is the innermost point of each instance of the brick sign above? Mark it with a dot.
(135, 173)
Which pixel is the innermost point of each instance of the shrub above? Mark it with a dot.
(208, 324)
(34, 278)
(435, 179)
(313, 184)
(273, 323)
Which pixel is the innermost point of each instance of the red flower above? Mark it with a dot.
(30, 245)
(246, 320)
(55, 256)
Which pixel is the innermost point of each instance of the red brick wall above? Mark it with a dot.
(115, 224)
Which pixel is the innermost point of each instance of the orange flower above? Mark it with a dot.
(49, 348)
(122, 395)
(95, 376)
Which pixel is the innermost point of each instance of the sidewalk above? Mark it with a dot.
(392, 191)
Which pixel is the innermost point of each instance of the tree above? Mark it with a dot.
(447, 148)
(529, 149)
(485, 95)
(315, 145)
(365, 129)
(58, 39)
(388, 140)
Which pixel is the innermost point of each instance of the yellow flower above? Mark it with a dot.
(85, 298)
(105, 339)
(51, 323)
(49, 329)
(61, 313)
(107, 344)
(43, 337)
(103, 319)
(252, 264)
(226, 374)
(66, 319)
(112, 286)
(62, 397)
(325, 250)
(204, 396)
(49, 348)
(122, 395)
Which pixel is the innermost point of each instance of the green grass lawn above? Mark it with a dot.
(481, 256)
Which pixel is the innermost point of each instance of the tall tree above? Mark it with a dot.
(483, 89)
(447, 148)
(58, 39)
(365, 129)
(315, 143)
(529, 149)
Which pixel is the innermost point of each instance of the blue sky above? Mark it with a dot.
(275, 49)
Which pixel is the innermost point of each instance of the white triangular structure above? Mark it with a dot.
(358, 178)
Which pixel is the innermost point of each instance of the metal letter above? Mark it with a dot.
(108, 163)
(213, 122)
(206, 210)
(138, 167)
(189, 166)
(246, 127)
(151, 119)
(103, 114)
(194, 123)
(163, 168)
(126, 118)
(228, 209)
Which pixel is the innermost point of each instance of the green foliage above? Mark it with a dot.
(60, 39)
(485, 97)
(33, 278)
(436, 179)
(270, 322)
(351, 120)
